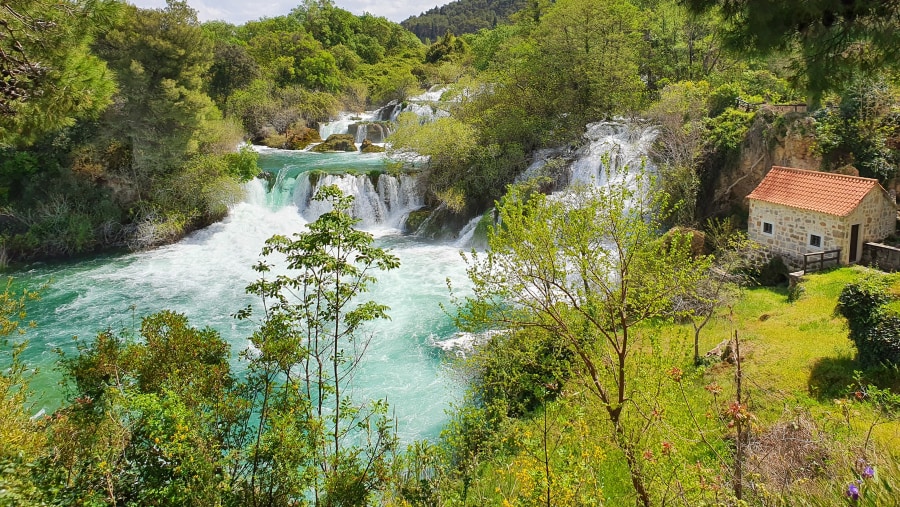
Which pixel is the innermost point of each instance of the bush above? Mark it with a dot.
(874, 329)
(726, 132)
(722, 98)
(517, 373)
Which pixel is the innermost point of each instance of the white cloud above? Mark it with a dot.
(241, 11)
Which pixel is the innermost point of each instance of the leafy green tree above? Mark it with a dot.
(450, 145)
(160, 57)
(832, 42)
(682, 45)
(147, 420)
(232, 69)
(862, 131)
(50, 78)
(448, 47)
(23, 438)
(587, 269)
(309, 347)
(588, 53)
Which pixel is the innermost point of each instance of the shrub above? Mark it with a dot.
(874, 329)
(726, 132)
(517, 373)
(722, 98)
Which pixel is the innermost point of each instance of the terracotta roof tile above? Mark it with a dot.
(834, 194)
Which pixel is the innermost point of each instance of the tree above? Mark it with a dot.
(863, 131)
(719, 285)
(232, 69)
(448, 143)
(160, 57)
(23, 440)
(48, 75)
(832, 42)
(587, 53)
(309, 348)
(586, 268)
(682, 45)
(147, 419)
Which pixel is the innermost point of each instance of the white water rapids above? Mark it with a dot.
(204, 276)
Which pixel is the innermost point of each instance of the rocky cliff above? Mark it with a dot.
(773, 139)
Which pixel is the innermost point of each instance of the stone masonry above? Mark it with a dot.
(791, 227)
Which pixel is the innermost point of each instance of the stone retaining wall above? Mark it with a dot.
(884, 257)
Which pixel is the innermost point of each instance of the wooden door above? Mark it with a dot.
(854, 243)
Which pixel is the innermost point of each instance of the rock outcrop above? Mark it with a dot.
(772, 140)
(369, 147)
(298, 137)
(336, 142)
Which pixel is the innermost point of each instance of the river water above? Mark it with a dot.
(205, 274)
(409, 361)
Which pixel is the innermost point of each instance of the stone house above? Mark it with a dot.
(794, 212)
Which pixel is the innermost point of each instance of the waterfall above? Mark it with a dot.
(426, 105)
(343, 123)
(616, 143)
(381, 201)
(468, 233)
(255, 192)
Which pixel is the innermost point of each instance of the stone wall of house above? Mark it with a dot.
(877, 215)
(791, 228)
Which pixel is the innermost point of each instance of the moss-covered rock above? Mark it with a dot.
(274, 141)
(298, 137)
(370, 147)
(336, 142)
(415, 220)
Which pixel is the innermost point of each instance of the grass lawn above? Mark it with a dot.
(798, 354)
(808, 432)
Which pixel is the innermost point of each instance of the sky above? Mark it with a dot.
(241, 11)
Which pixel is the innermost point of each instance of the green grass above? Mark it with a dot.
(798, 360)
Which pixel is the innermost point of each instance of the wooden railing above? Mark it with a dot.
(820, 260)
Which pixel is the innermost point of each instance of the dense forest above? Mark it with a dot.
(461, 17)
(120, 124)
(126, 127)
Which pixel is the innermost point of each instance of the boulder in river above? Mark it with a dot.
(370, 147)
(337, 142)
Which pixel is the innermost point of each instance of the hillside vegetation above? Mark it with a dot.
(461, 17)
(589, 384)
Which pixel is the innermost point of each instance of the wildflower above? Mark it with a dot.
(675, 373)
(667, 448)
(868, 472)
(853, 491)
(648, 455)
(713, 388)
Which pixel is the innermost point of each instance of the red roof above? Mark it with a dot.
(834, 194)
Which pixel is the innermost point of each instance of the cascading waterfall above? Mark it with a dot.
(612, 145)
(468, 233)
(427, 106)
(616, 145)
(205, 274)
(343, 123)
(384, 202)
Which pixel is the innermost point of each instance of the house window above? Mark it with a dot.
(767, 228)
(815, 240)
